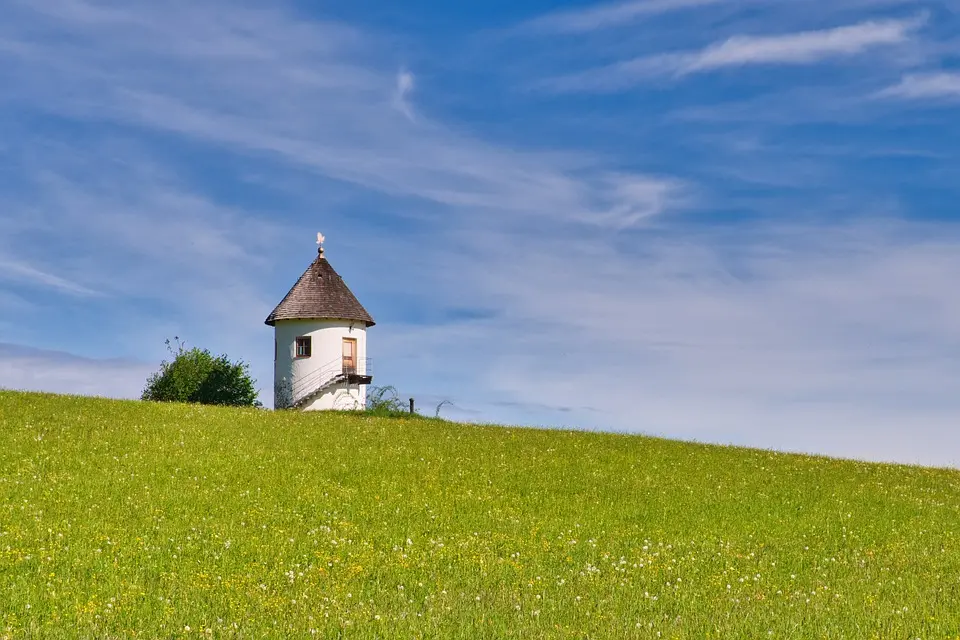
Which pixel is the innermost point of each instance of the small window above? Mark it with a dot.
(303, 347)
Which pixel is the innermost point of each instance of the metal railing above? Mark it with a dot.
(330, 373)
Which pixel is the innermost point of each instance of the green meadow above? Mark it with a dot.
(131, 519)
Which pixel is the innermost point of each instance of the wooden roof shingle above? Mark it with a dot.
(320, 294)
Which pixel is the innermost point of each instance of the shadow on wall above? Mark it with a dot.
(283, 394)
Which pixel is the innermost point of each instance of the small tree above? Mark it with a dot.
(195, 375)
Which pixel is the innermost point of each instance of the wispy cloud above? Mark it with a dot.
(155, 258)
(847, 329)
(631, 199)
(401, 99)
(801, 48)
(607, 15)
(17, 271)
(330, 108)
(922, 86)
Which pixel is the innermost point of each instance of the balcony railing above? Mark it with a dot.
(331, 373)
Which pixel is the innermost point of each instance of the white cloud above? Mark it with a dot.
(18, 271)
(27, 369)
(316, 95)
(801, 48)
(632, 199)
(401, 101)
(161, 258)
(841, 339)
(608, 15)
(922, 86)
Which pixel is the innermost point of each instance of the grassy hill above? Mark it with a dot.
(129, 519)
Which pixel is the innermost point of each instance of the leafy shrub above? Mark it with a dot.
(196, 375)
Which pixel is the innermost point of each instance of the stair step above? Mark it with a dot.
(313, 394)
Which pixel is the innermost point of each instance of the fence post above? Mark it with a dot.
(411, 405)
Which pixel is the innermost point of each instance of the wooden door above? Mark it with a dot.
(349, 355)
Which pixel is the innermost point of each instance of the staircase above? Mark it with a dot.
(335, 372)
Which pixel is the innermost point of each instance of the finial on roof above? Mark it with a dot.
(320, 240)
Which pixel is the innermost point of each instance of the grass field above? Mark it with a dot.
(129, 519)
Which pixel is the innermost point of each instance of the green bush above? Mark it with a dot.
(196, 375)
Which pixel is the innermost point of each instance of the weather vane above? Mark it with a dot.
(320, 239)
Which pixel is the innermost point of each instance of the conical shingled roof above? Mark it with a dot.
(320, 293)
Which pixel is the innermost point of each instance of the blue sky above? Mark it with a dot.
(730, 222)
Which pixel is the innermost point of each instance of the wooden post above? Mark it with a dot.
(411, 405)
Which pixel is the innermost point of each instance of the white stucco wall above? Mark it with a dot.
(327, 350)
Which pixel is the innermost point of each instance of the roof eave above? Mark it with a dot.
(272, 321)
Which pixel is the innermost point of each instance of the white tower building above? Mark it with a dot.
(320, 348)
